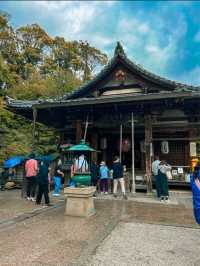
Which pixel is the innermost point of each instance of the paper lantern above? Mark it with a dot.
(165, 147)
(103, 144)
(126, 145)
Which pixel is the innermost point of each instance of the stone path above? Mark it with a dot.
(47, 237)
(144, 244)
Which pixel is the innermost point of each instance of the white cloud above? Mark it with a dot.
(153, 38)
(152, 42)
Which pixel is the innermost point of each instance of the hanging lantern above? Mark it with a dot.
(126, 145)
(165, 147)
(103, 144)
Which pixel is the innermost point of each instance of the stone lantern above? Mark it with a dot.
(80, 198)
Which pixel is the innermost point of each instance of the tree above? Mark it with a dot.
(33, 44)
(90, 58)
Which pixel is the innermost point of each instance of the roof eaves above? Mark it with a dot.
(87, 85)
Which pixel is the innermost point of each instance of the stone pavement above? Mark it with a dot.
(123, 227)
(12, 205)
(146, 244)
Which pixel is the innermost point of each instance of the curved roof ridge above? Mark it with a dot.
(119, 53)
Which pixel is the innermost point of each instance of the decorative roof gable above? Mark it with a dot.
(120, 59)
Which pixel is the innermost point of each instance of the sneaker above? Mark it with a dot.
(32, 199)
(167, 200)
(125, 197)
(48, 205)
(115, 195)
(106, 193)
(28, 198)
(162, 200)
(55, 194)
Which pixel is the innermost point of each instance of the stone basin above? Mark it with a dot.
(79, 201)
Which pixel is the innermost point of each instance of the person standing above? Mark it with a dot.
(104, 175)
(155, 167)
(117, 169)
(43, 183)
(163, 181)
(58, 175)
(31, 170)
(195, 186)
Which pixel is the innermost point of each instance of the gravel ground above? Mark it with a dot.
(146, 244)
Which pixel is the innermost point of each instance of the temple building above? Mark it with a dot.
(128, 111)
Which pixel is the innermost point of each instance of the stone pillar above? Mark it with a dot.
(78, 131)
(148, 144)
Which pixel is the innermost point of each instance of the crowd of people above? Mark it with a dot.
(161, 171)
(38, 176)
(105, 177)
(38, 179)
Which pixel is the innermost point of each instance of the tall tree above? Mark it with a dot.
(90, 57)
(33, 43)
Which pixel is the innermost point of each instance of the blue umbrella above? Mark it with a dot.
(14, 161)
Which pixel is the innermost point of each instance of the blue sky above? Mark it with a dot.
(162, 36)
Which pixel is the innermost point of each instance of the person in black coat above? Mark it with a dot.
(117, 169)
(43, 183)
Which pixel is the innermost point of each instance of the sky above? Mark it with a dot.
(161, 36)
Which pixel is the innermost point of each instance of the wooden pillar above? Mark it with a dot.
(78, 131)
(133, 152)
(120, 144)
(34, 128)
(94, 144)
(148, 144)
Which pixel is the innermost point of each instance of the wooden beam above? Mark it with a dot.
(78, 131)
(94, 144)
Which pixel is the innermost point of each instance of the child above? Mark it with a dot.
(104, 175)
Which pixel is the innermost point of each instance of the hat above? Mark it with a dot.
(102, 163)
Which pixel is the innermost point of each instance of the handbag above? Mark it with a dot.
(169, 175)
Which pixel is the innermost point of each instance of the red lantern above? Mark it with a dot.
(126, 145)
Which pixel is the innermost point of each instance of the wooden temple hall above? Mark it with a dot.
(128, 111)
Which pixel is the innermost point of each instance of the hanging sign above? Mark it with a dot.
(142, 146)
(103, 144)
(193, 149)
(165, 147)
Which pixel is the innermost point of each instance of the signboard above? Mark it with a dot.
(165, 147)
(193, 149)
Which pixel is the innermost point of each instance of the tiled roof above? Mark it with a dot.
(119, 56)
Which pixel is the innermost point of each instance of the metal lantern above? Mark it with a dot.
(81, 163)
